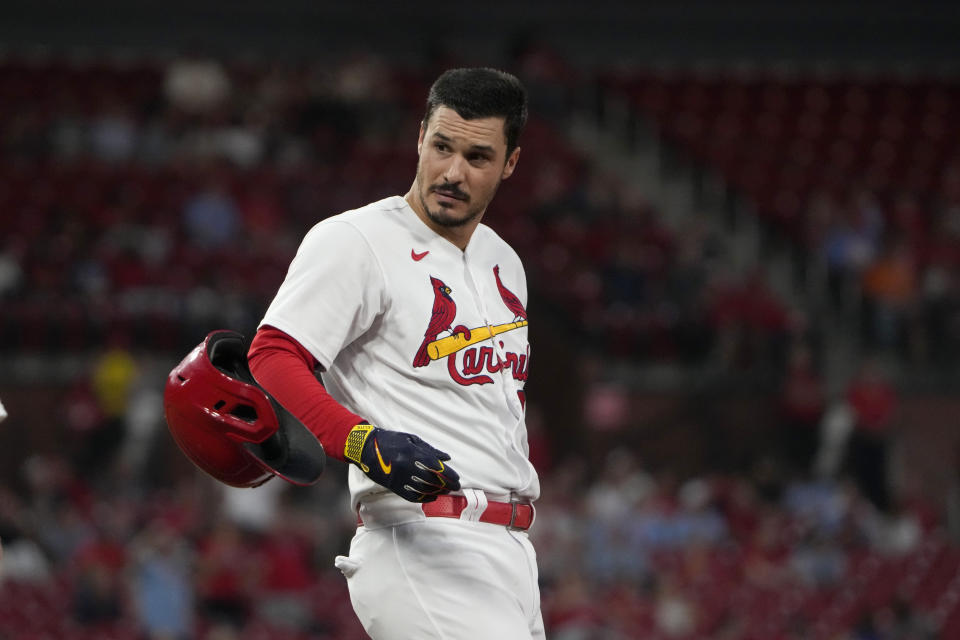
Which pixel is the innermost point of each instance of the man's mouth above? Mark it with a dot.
(455, 194)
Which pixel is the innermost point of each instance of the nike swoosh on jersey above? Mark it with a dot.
(417, 257)
(387, 468)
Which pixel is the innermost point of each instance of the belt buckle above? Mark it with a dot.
(514, 506)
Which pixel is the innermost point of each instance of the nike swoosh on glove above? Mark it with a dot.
(401, 462)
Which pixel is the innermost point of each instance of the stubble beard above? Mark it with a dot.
(442, 217)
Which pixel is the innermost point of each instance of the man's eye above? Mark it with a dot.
(440, 146)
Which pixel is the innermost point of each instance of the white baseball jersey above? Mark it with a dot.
(416, 335)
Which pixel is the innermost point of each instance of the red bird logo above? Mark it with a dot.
(444, 311)
(509, 298)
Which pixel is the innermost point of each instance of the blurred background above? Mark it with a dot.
(741, 227)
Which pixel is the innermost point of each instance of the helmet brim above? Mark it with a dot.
(292, 452)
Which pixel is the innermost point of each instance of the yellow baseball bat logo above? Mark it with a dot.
(451, 344)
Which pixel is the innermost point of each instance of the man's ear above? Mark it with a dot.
(420, 139)
(510, 164)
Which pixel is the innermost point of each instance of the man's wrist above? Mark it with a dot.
(356, 440)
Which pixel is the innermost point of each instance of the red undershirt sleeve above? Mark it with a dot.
(284, 368)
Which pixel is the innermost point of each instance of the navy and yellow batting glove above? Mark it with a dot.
(401, 462)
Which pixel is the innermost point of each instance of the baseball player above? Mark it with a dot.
(414, 313)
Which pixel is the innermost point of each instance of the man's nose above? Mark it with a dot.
(454, 171)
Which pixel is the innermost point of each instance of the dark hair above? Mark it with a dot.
(482, 93)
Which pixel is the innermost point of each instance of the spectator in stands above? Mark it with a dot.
(82, 418)
(910, 624)
(98, 597)
(909, 221)
(849, 245)
(161, 582)
(873, 398)
(900, 533)
(698, 246)
(21, 558)
(254, 511)
(210, 215)
(113, 134)
(196, 84)
(114, 374)
(698, 522)
(819, 561)
(675, 613)
(617, 518)
(286, 571)
(820, 508)
(890, 294)
(940, 302)
(802, 402)
(225, 575)
(573, 613)
(866, 628)
(766, 553)
(752, 324)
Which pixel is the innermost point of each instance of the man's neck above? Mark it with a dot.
(459, 235)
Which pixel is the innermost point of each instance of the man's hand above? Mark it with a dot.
(401, 462)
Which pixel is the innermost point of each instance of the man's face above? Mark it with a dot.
(461, 165)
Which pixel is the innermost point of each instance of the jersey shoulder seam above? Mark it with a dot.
(366, 241)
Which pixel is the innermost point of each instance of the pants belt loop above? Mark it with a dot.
(476, 505)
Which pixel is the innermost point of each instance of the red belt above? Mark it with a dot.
(513, 515)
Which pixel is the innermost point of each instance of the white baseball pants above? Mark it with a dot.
(416, 578)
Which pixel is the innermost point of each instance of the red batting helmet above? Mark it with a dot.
(229, 426)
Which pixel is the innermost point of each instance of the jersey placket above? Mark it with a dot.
(509, 387)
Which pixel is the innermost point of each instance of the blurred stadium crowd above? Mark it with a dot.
(148, 201)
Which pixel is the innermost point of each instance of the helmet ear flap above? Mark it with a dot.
(231, 427)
